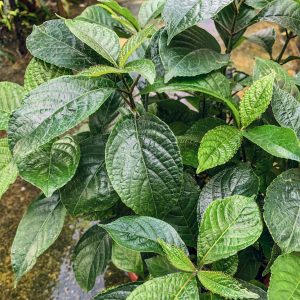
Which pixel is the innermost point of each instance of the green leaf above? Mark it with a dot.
(257, 3)
(218, 146)
(236, 216)
(91, 256)
(239, 180)
(285, 278)
(224, 285)
(177, 257)
(155, 186)
(38, 72)
(8, 168)
(183, 214)
(54, 43)
(100, 38)
(150, 9)
(180, 15)
(127, 260)
(282, 210)
(120, 292)
(286, 110)
(193, 52)
(176, 286)
(274, 254)
(53, 108)
(228, 265)
(285, 14)
(37, 231)
(278, 141)
(255, 289)
(90, 189)
(133, 43)
(256, 99)
(159, 266)
(142, 233)
(11, 95)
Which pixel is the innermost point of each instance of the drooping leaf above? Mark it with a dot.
(37, 231)
(256, 99)
(183, 214)
(150, 9)
(285, 14)
(100, 38)
(155, 186)
(11, 95)
(278, 141)
(282, 210)
(53, 108)
(228, 265)
(159, 266)
(127, 260)
(90, 189)
(218, 146)
(91, 256)
(236, 216)
(142, 233)
(224, 285)
(8, 168)
(54, 43)
(255, 289)
(193, 52)
(239, 180)
(170, 287)
(38, 72)
(286, 110)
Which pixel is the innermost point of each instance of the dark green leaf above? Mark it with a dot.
(159, 266)
(228, 265)
(264, 38)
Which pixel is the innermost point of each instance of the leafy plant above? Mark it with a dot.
(199, 197)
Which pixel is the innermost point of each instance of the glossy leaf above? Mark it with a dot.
(150, 9)
(256, 99)
(37, 231)
(228, 226)
(224, 285)
(173, 286)
(278, 141)
(91, 256)
(264, 38)
(142, 233)
(155, 186)
(239, 180)
(282, 210)
(159, 266)
(90, 189)
(53, 108)
(218, 146)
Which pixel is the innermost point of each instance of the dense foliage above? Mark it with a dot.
(190, 167)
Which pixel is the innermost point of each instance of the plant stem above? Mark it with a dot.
(289, 37)
(129, 93)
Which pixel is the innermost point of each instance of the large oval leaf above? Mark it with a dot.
(228, 226)
(149, 10)
(37, 231)
(282, 210)
(90, 189)
(144, 164)
(91, 256)
(142, 233)
(53, 108)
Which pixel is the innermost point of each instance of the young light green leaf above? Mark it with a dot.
(52, 165)
(236, 216)
(177, 286)
(133, 43)
(285, 279)
(90, 189)
(278, 141)
(11, 95)
(218, 146)
(8, 168)
(38, 72)
(282, 210)
(256, 99)
(53, 108)
(127, 260)
(177, 257)
(150, 9)
(159, 266)
(37, 231)
(224, 285)
(91, 256)
(142, 234)
(155, 188)
(100, 38)
(228, 265)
